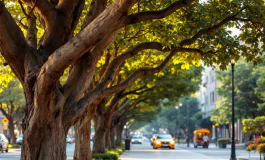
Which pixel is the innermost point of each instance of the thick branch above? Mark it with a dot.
(32, 30)
(21, 24)
(146, 72)
(4, 111)
(149, 15)
(80, 44)
(96, 7)
(13, 44)
(45, 9)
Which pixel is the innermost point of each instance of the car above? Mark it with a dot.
(136, 139)
(152, 139)
(164, 140)
(3, 143)
(69, 139)
(19, 139)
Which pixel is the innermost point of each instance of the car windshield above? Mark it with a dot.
(136, 137)
(21, 136)
(67, 136)
(166, 136)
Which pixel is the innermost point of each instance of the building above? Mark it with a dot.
(207, 97)
(207, 93)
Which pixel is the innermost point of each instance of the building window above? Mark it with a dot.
(206, 100)
(212, 98)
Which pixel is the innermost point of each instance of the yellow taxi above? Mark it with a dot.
(163, 140)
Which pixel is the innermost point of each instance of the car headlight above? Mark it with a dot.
(132, 140)
(158, 142)
(172, 142)
(140, 140)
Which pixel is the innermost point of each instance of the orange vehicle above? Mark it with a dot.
(164, 140)
(198, 137)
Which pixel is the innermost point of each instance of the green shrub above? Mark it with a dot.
(14, 146)
(222, 140)
(104, 156)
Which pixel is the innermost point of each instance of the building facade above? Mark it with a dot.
(207, 97)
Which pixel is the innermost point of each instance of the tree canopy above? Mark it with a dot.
(248, 93)
(103, 47)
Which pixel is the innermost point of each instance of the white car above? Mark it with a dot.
(3, 143)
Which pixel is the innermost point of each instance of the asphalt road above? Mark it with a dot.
(146, 152)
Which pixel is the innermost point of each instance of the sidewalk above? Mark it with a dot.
(213, 145)
(242, 154)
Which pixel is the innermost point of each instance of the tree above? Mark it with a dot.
(247, 91)
(11, 104)
(39, 61)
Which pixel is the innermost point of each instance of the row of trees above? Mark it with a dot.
(79, 60)
(176, 120)
(12, 100)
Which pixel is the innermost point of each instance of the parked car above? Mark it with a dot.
(136, 139)
(69, 139)
(164, 140)
(3, 143)
(19, 139)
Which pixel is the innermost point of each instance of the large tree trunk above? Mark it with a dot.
(82, 143)
(119, 129)
(108, 142)
(112, 138)
(100, 134)
(11, 131)
(99, 140)
(44, 143)
(43, 129)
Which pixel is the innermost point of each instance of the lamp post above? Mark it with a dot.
(177, 108)
(233, 148)
(188, 123)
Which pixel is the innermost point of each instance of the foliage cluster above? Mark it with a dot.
(222, 140)
(256, 125)
(175, 120)
(104, 156)
(249, 95)
(112, 154)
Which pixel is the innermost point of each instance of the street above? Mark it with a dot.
(146, 152)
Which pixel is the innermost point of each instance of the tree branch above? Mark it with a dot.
(32, 29)
(208, 30)
(146, 72)
(96, 7)
(4, 111)
(45, 9)
(21, 24)
(13, 44)
(150, 15)
(53, 69)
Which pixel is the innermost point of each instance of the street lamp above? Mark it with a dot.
(188, 123)
(233, 148)
(177, 108)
